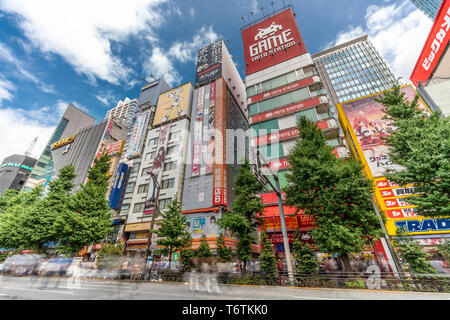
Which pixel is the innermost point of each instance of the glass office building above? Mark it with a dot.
(429, 7)
(352, 70)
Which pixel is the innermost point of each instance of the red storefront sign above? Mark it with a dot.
(277, 136)
(401, 213)
(273, 224)
(276, 113)
(272, 41)
(285, 89)
(385, 183)
(277, 165)
(396, 203)
(397, 192)
(435, 45)
(277, 237)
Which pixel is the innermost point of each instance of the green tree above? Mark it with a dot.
(8, 195)
(243, 220)
(421, 145)
(413, 254)
(172, 233)
(333, 191)
(267, 259)
(109, 256)
(203, 250)
(89, 219)
(304, 256)
(224, 254)
(54, 205)
(444, 250)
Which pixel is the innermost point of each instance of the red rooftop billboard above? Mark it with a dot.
(271, 41)
(435, 45)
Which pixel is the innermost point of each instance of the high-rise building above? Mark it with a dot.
(163, 156)
(14, 171)
(431, 74)
(429, 7)
(123, 185)
(71, 122)
(352, 70)
(124, 111)
(81, 148)
(217, 143)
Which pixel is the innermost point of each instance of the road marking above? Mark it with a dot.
(39, 290)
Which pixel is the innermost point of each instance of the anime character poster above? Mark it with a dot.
(198, 123)
(203, 224)
(157, 166)
(367, 118)
(211, 140)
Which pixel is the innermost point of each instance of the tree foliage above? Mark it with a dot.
(109, 256)
(243, 220)
(224, 254)
(172, 233)
(421, 145)
(306, 261)
(333, 191)
(203, 250)
(267, 259)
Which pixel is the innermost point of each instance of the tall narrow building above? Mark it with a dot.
(124, 111)
(71, 122)
(429, 7)
(352, 70)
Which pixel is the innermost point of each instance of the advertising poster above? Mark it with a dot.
(418, 225)
(173, 104)
(209, 63)
(366, 117)
(198, 123)
(157, 167)
(272, 41)
(137, 136)
(120, 182)
(200, 224)
(210, 131)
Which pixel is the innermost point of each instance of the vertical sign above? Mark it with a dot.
(137, 137)
(198, 126)
(220, 196)
(210, 132)
(157, 167)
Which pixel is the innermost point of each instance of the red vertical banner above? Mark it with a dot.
(220, 196)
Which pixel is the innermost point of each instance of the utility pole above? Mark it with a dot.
(277, 190)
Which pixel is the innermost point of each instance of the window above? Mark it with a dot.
(130, 187)
(175, 135)
(168, 183)
(143, 188)
(171, 150)
(164, 203)
(152, 141)
(150, 156)
(125, 208)
(170, 166)
(139, 207)
(146, 171)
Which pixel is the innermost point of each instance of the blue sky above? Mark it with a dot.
(95, 53)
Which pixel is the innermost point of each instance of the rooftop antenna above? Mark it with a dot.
(243, 21)
(252, 15)
(262, 9)
(273, 9)
(28, 152)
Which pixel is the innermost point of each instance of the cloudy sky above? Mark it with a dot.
(94, 53)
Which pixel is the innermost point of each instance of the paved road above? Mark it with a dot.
(25, 288)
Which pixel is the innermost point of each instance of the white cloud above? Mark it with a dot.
(397, 31)
(107, 98)
(18, 127)
(5, 90)
(7, 55)
(192, 12)
(82, 31)
(161, 63)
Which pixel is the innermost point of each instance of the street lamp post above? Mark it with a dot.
(277, 190)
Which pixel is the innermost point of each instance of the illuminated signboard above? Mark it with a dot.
(272, 41)
(64, 142)
(22, 166)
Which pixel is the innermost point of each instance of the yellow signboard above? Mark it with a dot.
(173, 104)
(418, 225)
(61, 143)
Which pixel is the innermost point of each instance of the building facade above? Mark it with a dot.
(71, 122)
(431, 74)
(429, 7)
(125, 178)
(14, 172)
(124, 111)
(217, 143)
